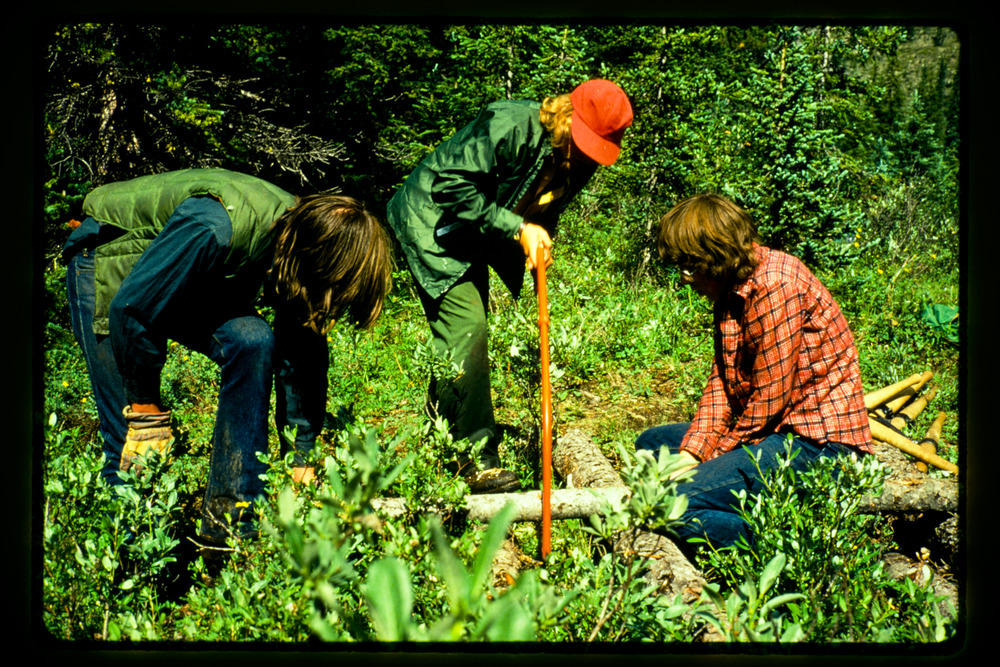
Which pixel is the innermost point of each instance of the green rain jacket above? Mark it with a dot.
(457, 207)
(140, 207)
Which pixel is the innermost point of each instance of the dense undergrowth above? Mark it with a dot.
(839, 169)
(322, 569)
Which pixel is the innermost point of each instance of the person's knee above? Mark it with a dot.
(251, 338)
(668, 436)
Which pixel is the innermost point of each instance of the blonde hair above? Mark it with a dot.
(556, 116)
(708, 233)
(331, 256)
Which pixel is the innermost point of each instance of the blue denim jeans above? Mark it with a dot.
(242, 346)
(712, 506)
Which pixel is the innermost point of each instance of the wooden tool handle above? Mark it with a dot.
(890, 436)
(879, 396)
(930, 442)
(893, 405)
(918, 404)
(543, 344)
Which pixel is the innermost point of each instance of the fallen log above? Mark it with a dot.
(566, 504)
(579, 461)
(913, 495)
(899, 495)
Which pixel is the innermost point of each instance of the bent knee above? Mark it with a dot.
(250, 336)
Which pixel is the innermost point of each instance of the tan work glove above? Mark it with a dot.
(146, 431)
(530, 237)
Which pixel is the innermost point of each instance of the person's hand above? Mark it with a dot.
(303, 474)
(531, 237)
(690, 462)
(148, 430)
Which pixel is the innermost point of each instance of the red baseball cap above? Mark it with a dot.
(601, 112)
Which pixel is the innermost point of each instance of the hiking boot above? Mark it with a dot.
(492, 480)
(486, 474)
(223, 518)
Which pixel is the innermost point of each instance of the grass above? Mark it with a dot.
(630, 349)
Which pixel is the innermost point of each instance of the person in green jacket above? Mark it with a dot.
(490, 196)
(183, 256)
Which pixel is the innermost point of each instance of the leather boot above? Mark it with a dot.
(485, 475)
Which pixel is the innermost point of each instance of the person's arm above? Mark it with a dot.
(469, 172)
(188, 247)
(710, 421)
(774, 323)
(301, 362)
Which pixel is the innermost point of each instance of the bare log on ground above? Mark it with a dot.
(580, 503)
(579, 461)
(566, 504)
(907, 495)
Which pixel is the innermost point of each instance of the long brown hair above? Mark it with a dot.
(331, 257)
(708, 233)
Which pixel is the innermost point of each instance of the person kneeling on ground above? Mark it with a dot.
(183, 255)
(785, 364)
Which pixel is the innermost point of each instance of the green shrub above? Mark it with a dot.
(830, 554)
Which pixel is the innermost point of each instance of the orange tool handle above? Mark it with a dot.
(543, 344)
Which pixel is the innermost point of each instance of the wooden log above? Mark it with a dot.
(579, 461)
(913, 495)
(879, 396)
(565, 504)
(905, 495)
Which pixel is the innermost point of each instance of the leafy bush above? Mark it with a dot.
(840, 158)
(830, 558)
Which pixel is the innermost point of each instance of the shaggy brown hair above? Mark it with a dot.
(709, 234)
(331, 256)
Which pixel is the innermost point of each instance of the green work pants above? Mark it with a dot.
(458, 325)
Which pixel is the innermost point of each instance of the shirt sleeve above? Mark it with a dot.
(710, 421)
(189, 246)
(301, 362)
(467, 181)
(774, 336)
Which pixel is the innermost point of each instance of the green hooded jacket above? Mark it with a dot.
(457, 207)
(140, 207)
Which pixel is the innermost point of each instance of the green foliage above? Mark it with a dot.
(823, 559)
(107, 548)
(747, 615)
(841, 141)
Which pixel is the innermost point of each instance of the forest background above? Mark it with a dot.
(843, 141)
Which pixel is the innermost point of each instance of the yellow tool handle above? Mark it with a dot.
(890, 436)
(879, 396)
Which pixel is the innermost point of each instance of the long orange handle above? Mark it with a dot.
(543, 344)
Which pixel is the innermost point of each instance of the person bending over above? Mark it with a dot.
(490, 196)
(183, 256)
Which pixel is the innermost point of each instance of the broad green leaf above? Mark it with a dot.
(451, 567)
(492, 539)
(390, 599)
(771, 572)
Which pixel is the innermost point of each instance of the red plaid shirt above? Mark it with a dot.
(784, 359)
